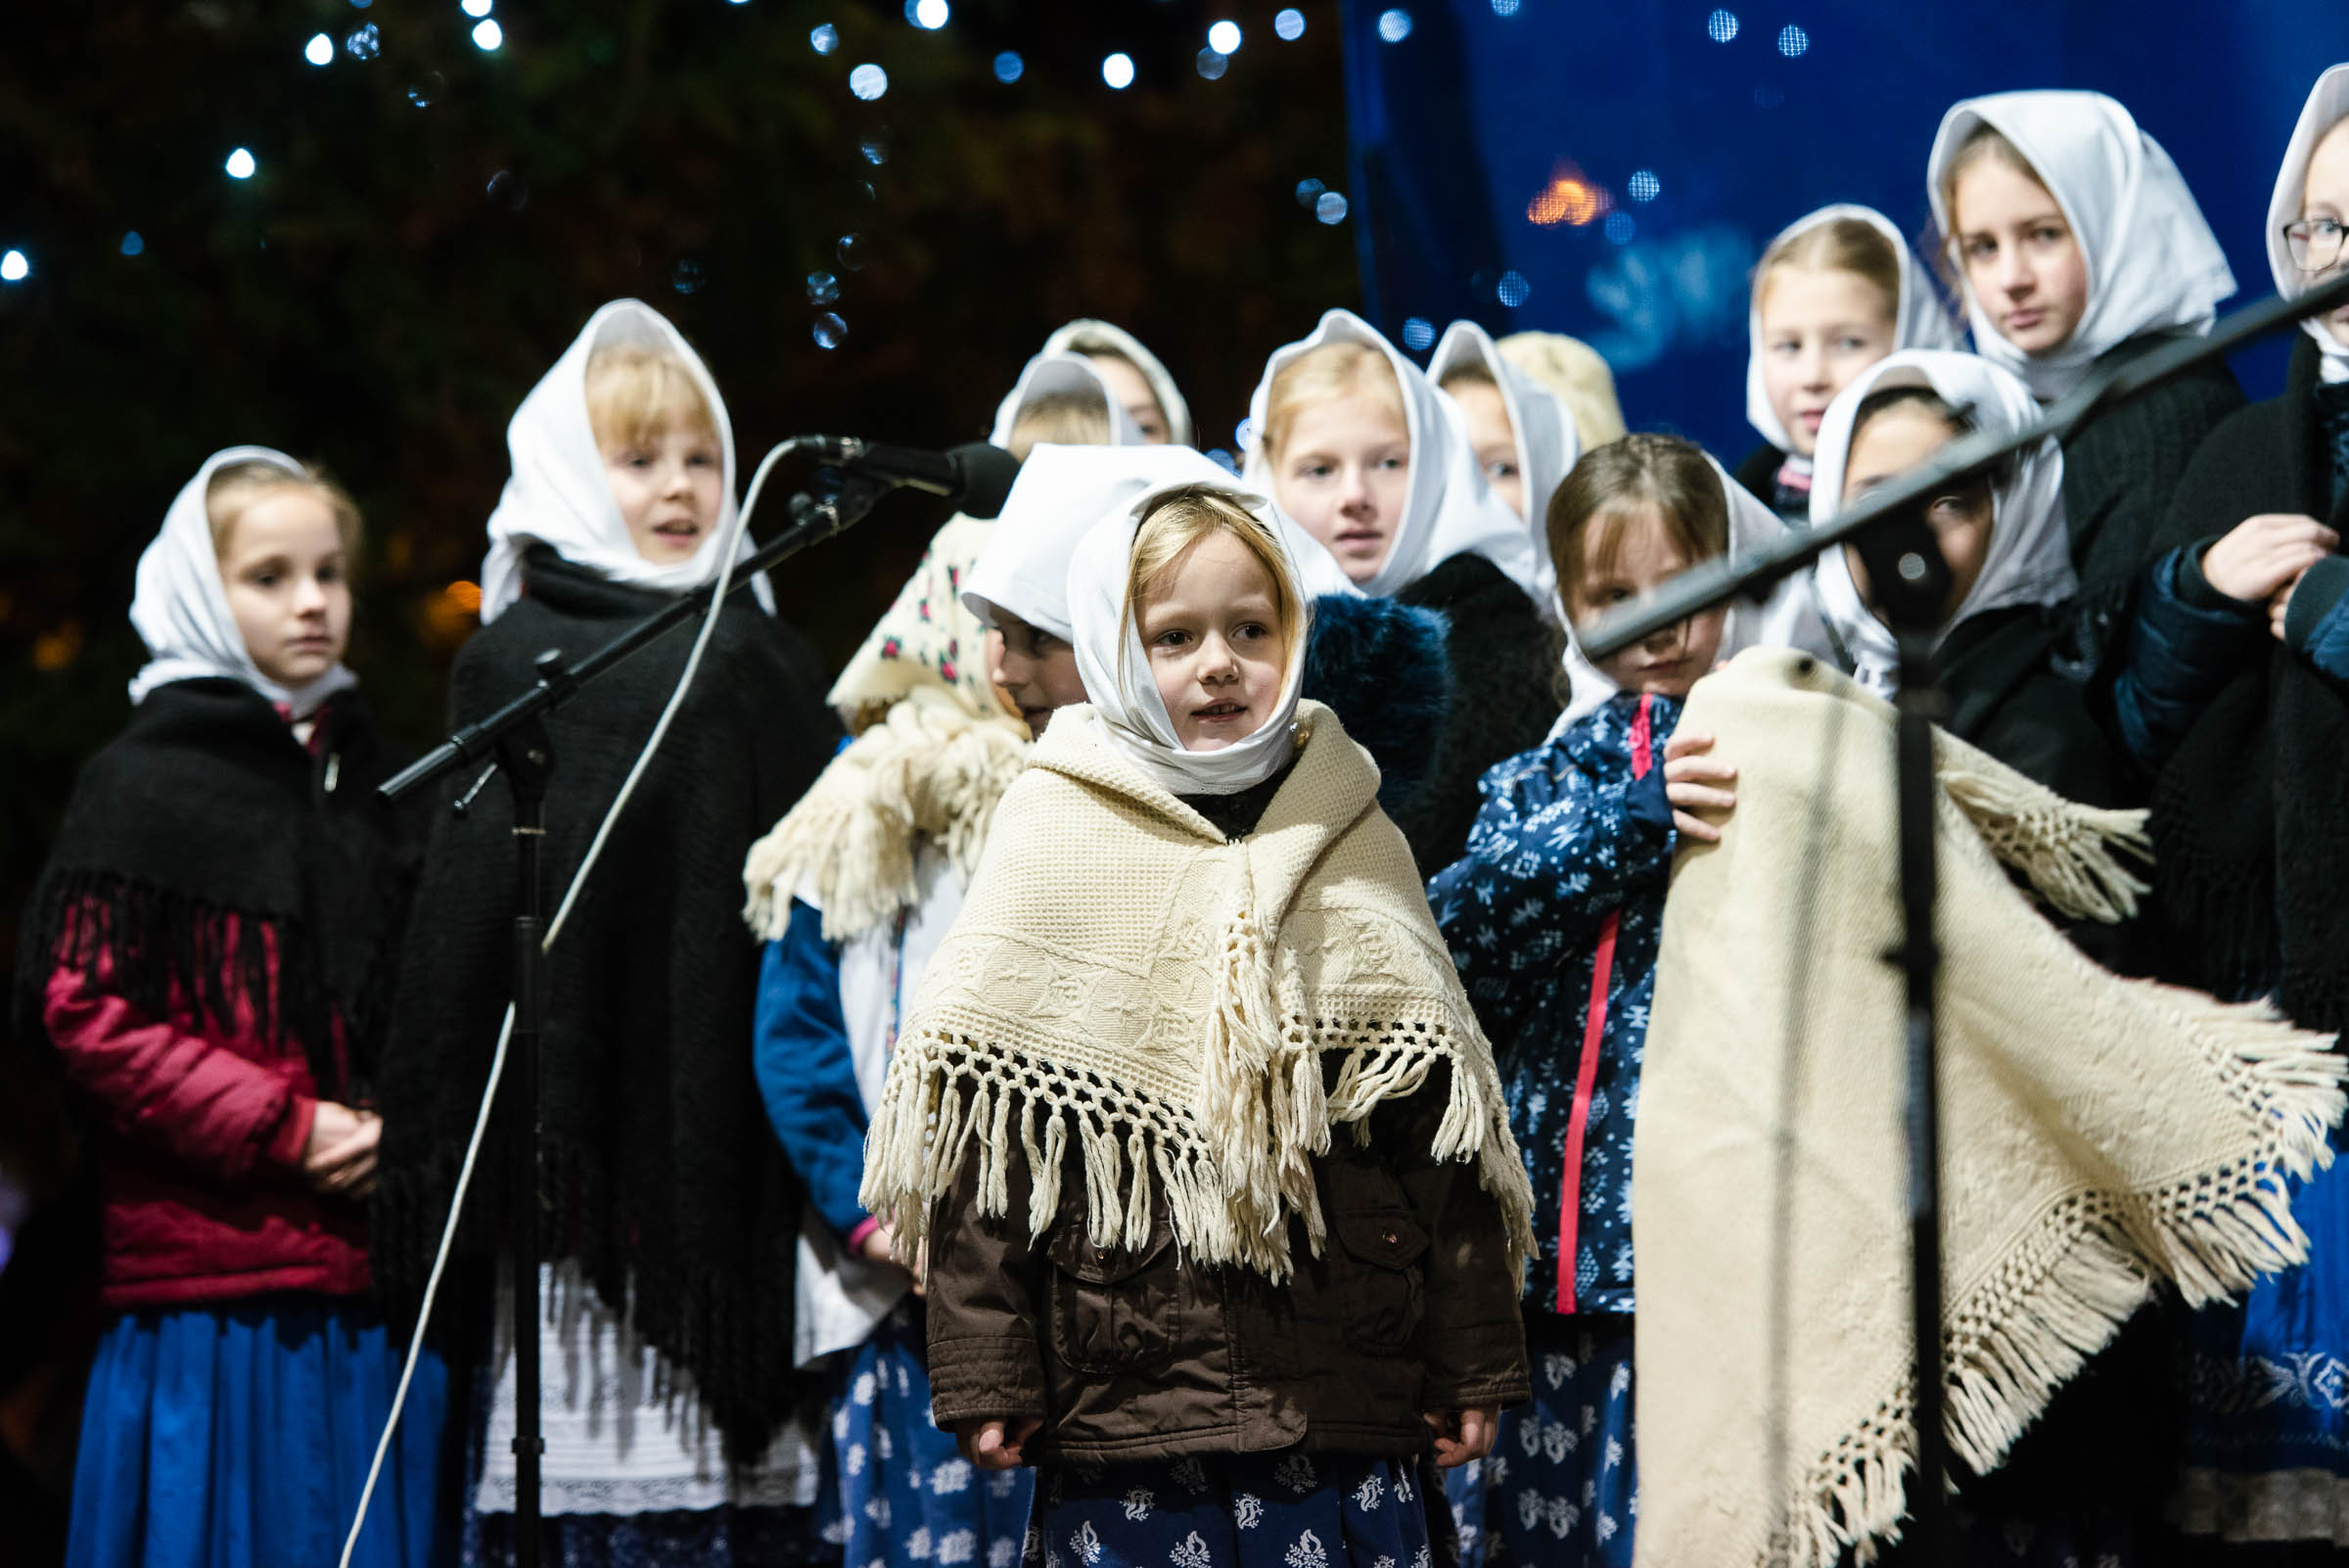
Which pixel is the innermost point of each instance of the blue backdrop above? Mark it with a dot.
(1612, 168)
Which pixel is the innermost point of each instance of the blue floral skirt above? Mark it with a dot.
(897, 1493)
(1289, 1509)
(1562, 1489)
(2268, 1392)
(239, 1436)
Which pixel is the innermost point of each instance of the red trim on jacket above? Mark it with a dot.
(1594, 1034)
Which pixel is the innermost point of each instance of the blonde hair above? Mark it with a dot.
(1572, 370)
(1985, 140)
(1322, 375)
(1062, 419)
(1177, 520)
(637, 392)
(1469, 373)
(1610, 484)
(1838, 244)
(234, 488)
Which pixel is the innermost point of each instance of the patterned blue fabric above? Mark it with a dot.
(897, 1493)
(1556, 850)
(1564, 1487)
(1290, 1509)
(701, 1537)
(1466, 1490)
(240, 1436)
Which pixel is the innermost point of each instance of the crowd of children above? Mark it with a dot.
(1145, 1065)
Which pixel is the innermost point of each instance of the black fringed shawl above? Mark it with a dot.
(2251, 818)
(206, 807)
(664, 1179)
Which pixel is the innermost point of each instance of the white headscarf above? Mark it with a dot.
(1918, 318)
(180, 606)
(1116, 668)
(558, 495)
(1085, 336)
(2030, 555)
(1787, 618)
(2328, 103)
(1063, 492)
(1448, 509)
(1053, 372)
(2153, 261)
(1549, 441)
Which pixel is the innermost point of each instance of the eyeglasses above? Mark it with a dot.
(2315, 244)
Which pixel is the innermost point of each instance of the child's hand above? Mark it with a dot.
(1689, 777)
(2264, 554)
(1462, 1435)
(880, 1246)
(340, 1158)
(990, 1445)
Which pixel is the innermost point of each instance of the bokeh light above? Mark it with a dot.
(477, 8)
(868, 81)
(1395, 25)
(1792, 40)
(824, 38)
(1621, 228)
(829, 331)
(1211, 66)
(1508, 8)
(364, 43)
(1118, 70)
(1569, 199)
(875, 148)
(1418, 334)
(822, 288)
(319, 50)
(1289, 25)
(489, 36)
(851, 251)
(1225, 38)
(241, 165)
(14, 267)
(132, 244)
(1330, 208)
(928, 15)
(1008, 67)
(1513, 289)
(1721, 26)
(687, 278)
(1644, 186)
(1309, 192)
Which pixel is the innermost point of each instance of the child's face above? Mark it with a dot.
(1034, 670)
(2327, 196)
(1132, 388)
(1494, 437)
(1344, 476)
(1670, 661)
(670, 486)
(1891, 445)
(1211, 628)
(288, 588)
(2019, 254)
(1820, 329)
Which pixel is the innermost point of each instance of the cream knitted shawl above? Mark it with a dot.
(1125, 982)
(2099, 1135)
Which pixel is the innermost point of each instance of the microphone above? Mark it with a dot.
(976, 477)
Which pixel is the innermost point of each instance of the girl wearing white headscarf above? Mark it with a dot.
(2079, 247)
(1061, 398)
(1836, 290)
(1354, 441)
(1523, 434)
(671, 1271)
(2231, 698)
(1999, 642)
(1133, 1165)
(203, 961)
(1141, 383)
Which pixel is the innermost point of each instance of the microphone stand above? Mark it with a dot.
(1910, 580)
(515, 736)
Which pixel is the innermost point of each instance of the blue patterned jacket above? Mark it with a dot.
(1553, 918)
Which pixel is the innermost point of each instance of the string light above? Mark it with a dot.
(488, 36)
(1289, 25)
(240, 164)
(824, 38)
(1721, 26)
(868, 81)
(14, 267)
(1418, 334)
(1008, 67)
(1395, 25)
(1644, 186)
(477, 8)
(1225, 38)
(1118, 70)
(928, 15)
(319, 50)
(1792, 40)
(132, 245)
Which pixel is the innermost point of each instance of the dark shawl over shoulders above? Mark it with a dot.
(206, 807)
(2266, 766)
(2121, 471)
(1505, 697)
(664, 1179)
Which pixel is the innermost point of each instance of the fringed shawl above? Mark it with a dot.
(1194, 1017)
(2099, 1135)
